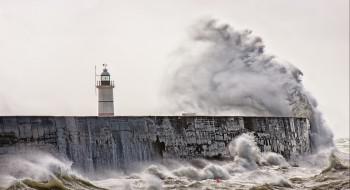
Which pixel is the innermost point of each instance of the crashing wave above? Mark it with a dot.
(42, 171)
(248, 169)
(222, 70)
(59, 182)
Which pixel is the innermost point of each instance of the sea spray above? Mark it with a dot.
(225, 71)
(34, 164)
(211, 171)
(39, 170)
(269, 172)
(245, 151)
(247, 154)
(153, 183)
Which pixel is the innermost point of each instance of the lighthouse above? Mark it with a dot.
(105, 93)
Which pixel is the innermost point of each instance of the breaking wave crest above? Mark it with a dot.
(249, 168)
(39, 170)
(246, 152)
(59, 182)
(222, 70)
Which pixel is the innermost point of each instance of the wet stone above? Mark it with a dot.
(99, 143)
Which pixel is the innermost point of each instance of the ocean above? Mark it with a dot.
(249, 169)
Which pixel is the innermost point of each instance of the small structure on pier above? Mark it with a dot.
(105, 93)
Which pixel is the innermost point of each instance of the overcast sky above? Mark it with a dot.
(48, 49)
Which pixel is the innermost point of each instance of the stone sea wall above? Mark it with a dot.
(98, 143)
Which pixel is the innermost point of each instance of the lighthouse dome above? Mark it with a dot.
(105, 72)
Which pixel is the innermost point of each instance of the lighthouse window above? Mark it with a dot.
(105, 78)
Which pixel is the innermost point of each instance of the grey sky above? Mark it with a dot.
(48, 49)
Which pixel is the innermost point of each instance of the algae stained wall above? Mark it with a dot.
(98, 143)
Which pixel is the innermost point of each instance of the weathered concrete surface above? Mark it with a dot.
(96, 143)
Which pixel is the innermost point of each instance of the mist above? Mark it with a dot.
(226, 71)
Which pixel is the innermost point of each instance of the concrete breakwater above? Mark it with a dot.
(98, 143)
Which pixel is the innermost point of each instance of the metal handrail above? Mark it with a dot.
(99, 83)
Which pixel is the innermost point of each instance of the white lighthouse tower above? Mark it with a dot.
(105, 94)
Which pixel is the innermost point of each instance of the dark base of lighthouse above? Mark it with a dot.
(98, 143)
(106, 114)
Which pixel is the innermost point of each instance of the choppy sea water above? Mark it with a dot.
(343, 144)
(249, 169)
